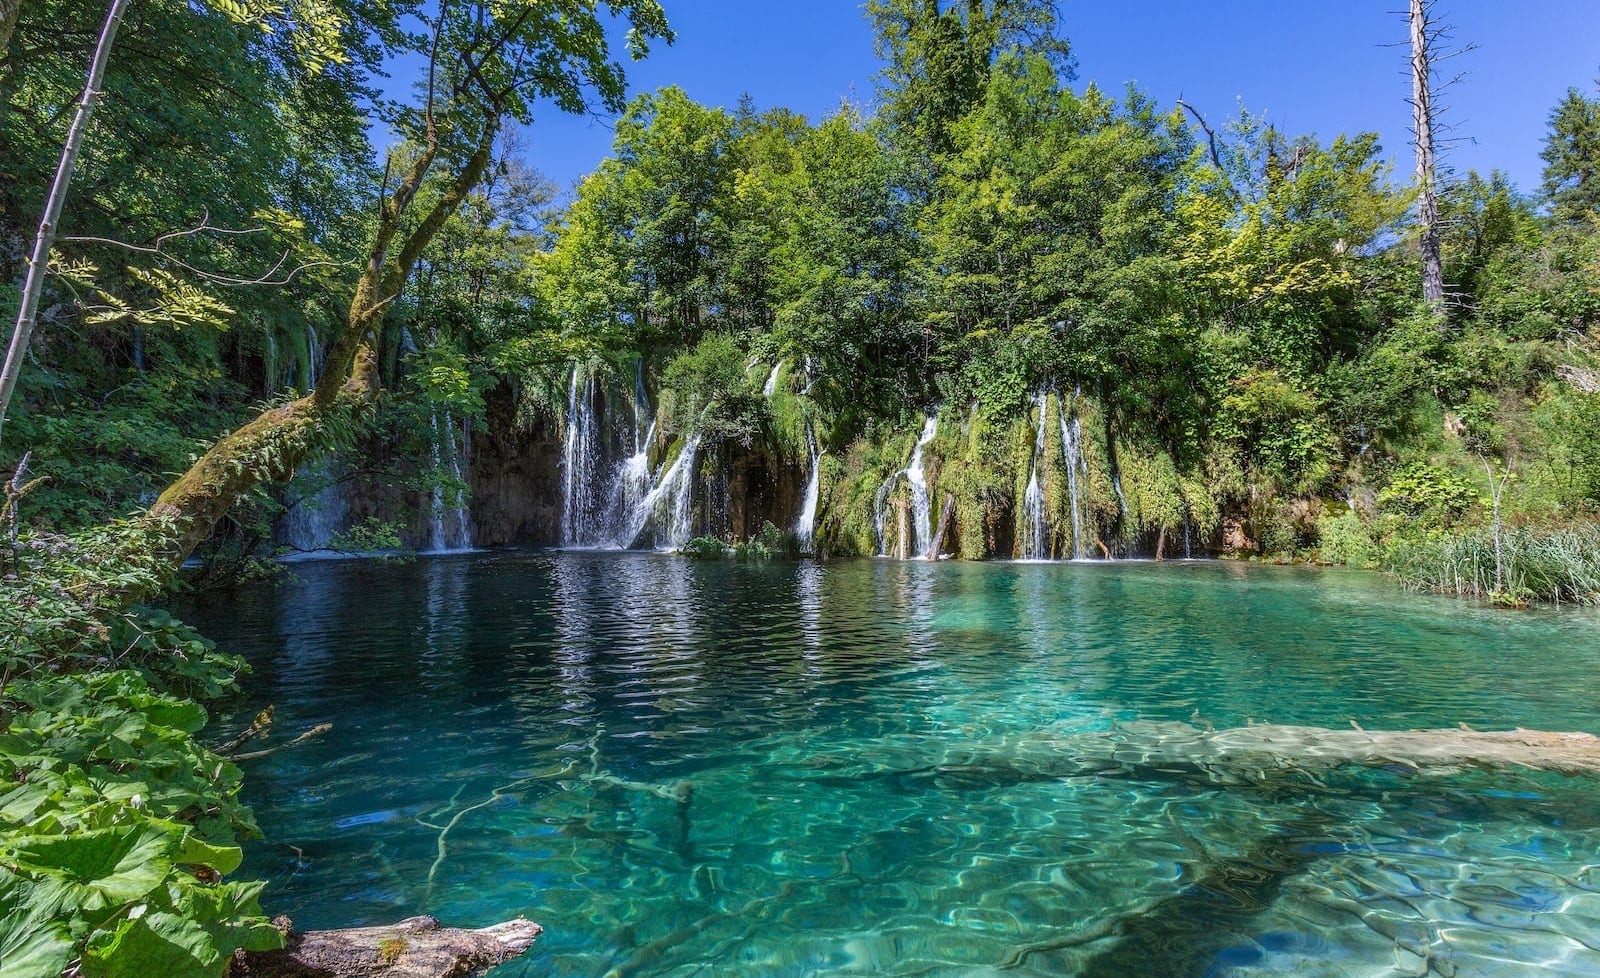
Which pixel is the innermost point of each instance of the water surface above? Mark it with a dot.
(514, 732)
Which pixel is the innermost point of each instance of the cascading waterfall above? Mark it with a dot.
(1036, 537)
(921, 510)
(805, 529)
(448, 527)
(580, 458)
(669, 505)
(1072, 460)
(607, 503)
(313, 357)
(771, 386)
(311, 522)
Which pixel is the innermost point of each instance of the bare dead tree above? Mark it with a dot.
(1427, 177)
(1430, 48)
(1211, 143)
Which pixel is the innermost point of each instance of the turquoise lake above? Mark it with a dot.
(707, 769)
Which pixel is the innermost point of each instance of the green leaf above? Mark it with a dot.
(107, 867)
(32, 945)
(194, 851)
(155, 944)
(231, 914)
(31, 948)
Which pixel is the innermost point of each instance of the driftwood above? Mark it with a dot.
(311, 734)
(414, 948)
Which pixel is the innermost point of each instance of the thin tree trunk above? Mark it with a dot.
(1427, 179)
(38, 265)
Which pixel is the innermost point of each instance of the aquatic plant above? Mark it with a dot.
(1560, 565)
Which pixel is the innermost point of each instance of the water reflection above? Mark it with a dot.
(546, 706)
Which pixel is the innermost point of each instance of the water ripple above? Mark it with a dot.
(549, 706)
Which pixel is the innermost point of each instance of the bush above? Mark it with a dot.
(705, 548)
(706, 389)
(116, 826)
(1343, 539)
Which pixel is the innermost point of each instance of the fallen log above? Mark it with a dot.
(1251, 752)
(414, 948)
(1250, 755)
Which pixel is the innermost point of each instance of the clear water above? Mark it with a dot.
(827, 715)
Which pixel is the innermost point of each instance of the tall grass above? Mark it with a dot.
(1555, 565)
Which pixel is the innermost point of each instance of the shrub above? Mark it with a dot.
(705, 548)
(116, 826)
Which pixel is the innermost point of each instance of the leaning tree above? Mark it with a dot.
(488, 64)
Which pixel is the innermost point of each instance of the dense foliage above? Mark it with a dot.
(1218, 325)
(117, 827)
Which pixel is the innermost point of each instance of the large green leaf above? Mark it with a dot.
(231, 914)
(109, 867)
(33, 948)
(157, 944)
(196, 851)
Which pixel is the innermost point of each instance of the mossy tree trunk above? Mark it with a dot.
(269, 448)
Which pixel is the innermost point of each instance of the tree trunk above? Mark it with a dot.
(271, 447)
(39, 263)
(414, 948)
(1268, 752)
(1427, 178)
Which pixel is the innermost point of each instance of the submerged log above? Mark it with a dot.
(414, 948)
(1250, 752)
(1252, 755)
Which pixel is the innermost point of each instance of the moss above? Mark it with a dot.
(390, 949)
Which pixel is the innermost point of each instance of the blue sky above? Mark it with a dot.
(1317, 66)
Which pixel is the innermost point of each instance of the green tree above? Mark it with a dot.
(489, 63)
(1572, 158)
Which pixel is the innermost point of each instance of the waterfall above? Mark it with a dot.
(310, 523)
(917, 481)
(922, 517)
(609, 491)
(583, 520)
(805, 528)
(448, 529)
(312, 357)
(1072, 459)
(1035, 536)
(771, 386)
(670, 503)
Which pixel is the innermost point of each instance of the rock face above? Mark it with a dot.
(755, 488)
(515, 474)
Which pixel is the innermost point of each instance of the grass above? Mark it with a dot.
(1561, 565)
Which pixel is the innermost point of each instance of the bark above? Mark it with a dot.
(1427, 178)
(45, 239)
(414, 948)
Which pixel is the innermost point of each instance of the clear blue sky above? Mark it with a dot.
(1312, 66)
